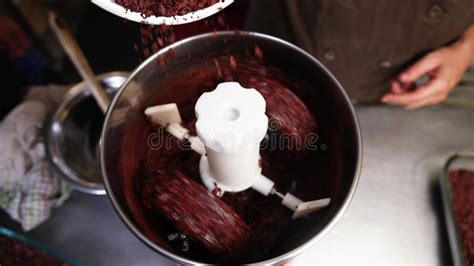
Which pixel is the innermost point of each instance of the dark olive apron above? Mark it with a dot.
(364, 43)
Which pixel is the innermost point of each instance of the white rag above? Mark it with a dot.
(28, 187)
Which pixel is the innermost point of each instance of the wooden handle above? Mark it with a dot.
(78, 59)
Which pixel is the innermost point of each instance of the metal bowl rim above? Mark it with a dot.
(290, 254)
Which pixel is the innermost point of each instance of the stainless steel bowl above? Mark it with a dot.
(73, 135)
(340, 158)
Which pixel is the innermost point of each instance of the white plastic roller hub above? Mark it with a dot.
(231, 122)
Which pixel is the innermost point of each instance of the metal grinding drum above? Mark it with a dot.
(132, 154)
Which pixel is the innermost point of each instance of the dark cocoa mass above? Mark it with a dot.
(14, 253)
(167, 8)
(462, 184)
(197, 212)
(289, 119)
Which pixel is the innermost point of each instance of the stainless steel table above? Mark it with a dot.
(395, 216)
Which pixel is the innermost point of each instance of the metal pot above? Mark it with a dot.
(73, 135)
(341, 151)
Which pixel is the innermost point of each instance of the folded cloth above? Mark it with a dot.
(28, 187)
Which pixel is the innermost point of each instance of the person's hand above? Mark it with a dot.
(13, 40)
(444, 67)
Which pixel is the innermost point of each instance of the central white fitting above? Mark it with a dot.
(231, 122)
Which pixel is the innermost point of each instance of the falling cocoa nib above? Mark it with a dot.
(197, 213)
(13, 252)
(165, 58)
(232, 62)
(154, 38)
(462, 184)
(220, 20)
(218, 67)
(258, 52)
(167, 8)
